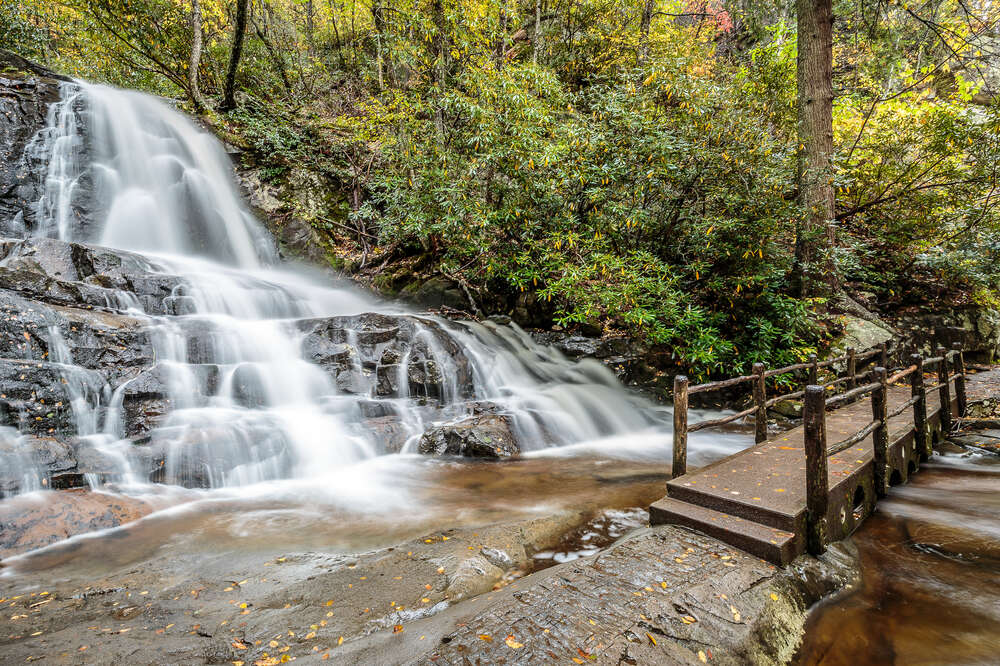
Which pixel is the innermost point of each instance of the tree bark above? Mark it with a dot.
(537, 33)
(276, 60)
(229, 100)
(645, 21)
(195, 62)
(815, 235)
(378, 18)
(440, 68)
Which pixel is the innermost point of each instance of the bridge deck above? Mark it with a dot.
(756, 499)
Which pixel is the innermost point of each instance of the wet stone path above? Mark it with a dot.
(662, 595)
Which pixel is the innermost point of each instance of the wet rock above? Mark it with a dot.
(213, 456)
(790, 409)
(30, 523)
(626, 357)
(29, 462)
(145, 402)
(36, 397)
(436, 292)
(115, 345)
(76, 275)
(390, 433)
(27, 91)
(365, 353)
(484, 436)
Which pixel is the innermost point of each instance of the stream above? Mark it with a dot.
(930, 562)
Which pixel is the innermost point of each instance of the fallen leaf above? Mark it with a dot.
(512, 643)
(701, 657)
(486, 637)
(650, 637)
(397, 628)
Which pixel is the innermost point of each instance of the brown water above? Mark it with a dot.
(433, 495)
(930, 561)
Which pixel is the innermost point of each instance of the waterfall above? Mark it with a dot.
(263, 374)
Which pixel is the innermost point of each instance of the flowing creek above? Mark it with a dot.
(930, 562)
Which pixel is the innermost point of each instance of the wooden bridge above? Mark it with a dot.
(805, 487)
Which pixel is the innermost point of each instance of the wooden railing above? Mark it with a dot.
(760, 402)
(949, 368)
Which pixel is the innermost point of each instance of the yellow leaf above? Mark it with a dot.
(701, 657)
(774, 597)
(513, 644)
(486, 637)
(650, 637)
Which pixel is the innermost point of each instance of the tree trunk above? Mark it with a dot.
(195, 63)
(229, 100)
(439, 68)
(644, 22)
(378, 18)
(276, 61)
(815, 235)
(537, 36)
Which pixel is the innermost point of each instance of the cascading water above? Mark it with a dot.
(261, 373)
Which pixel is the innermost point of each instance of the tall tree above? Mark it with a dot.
(229, 99)
(644, 22)
(195, 62)
(816, 233)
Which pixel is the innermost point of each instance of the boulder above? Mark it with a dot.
(482, 436)
(860, 334)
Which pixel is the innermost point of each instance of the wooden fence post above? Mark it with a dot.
(880, 436)
(680, 426)
(884, 356)
(814, 370)
(959, 362)
(944, 392)
(852, 368)
(920, 406)
(760, 400)
(814, 415)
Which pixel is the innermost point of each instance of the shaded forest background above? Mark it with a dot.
(604, 165)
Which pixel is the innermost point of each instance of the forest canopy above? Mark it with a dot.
(618, 165)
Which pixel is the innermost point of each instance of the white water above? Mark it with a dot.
(166, 189)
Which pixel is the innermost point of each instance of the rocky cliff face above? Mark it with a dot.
(26, 91)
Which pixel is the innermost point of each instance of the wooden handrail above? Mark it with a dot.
(951, 369)
(845, 444)
(902, 374)
(701, 425)
(853, 393)
(721, 384)
(902, 408)
(788, 368)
